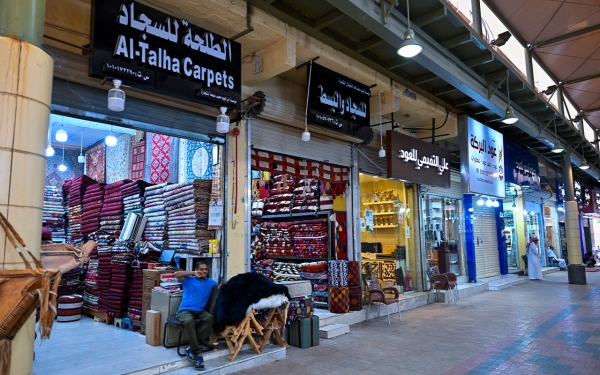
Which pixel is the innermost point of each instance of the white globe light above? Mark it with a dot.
(223, 121)
(81, 159)
(480, 202)
(496, 204)
(110, 140)
(489, 203)
(305, 136)
(62, 168)
(50, 151)
(61, 135)
(382, 153)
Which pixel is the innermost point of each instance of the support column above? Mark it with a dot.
(576, 270)
(560, 101)
(529, 67)
(25, 94)
(476, 11)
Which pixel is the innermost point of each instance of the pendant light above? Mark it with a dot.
(583, 165)
(110, 139)
(223, 121)
(410, 47)
(509, 117)
(49, 149)
(496, 203)
(62, 167)
(489, 202)
(61, 134)
(381, 150)
(306, 133)
(480, 201)
(81, 158)
(557, 148)
(116, 97)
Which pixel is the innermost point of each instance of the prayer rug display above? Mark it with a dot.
(96, 162)
(198, 160)
(118, 159)
(56, 178)
(162, 154)
(339, 299)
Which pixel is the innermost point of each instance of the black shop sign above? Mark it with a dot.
(338, 103)
(151, 50)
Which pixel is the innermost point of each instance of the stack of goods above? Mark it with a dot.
(69, 308)
(92, 205)
(90, 294)
(136, 291)
(283, 271)
(339, 293)
(104, 273)
(154, 210)
(133, 196)
(281, 195)
(316, 273)
(53, 212)
(301, 305)
(111, 217)
(354, 285)
(73, 191)
(263, 267)
(70, 283)
(276, 240)
(256, 240)
(306, 196)
(309, 238)
(120, 281)
(186, 205)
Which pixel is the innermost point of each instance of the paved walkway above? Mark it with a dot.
(539, 327)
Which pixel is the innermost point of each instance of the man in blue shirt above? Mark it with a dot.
(196, 292)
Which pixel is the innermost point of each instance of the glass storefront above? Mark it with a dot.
(441, 232)
(510, 235)
(388, 232)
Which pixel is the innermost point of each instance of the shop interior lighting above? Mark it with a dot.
(61, 135)
(306, 133)
(480, 202)
(49, 149)
(509, 116)
(489, 202)
(501, 39)
(381, 150)
(81, 158)
(471, 209)
(584, 165)
(223, 121)
(410, 47)
(532, 213)
(496, 203)
(561, 209)
(110, 139)
(557, 148)
(116, 97)
(62, 167)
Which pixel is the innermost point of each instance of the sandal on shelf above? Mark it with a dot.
(199, 364)
(189, 353)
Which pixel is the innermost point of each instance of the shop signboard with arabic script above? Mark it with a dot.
(414, 160)
(338, 103)
(151, 50)
(481, 159)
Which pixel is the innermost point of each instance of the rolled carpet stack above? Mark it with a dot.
(133, 196)
(73, 191)
(104, 273)
(112, 217)
(92, 206)
(70, 283)
(120, 280)
(90, 287)
(53, 212)
(154, 210)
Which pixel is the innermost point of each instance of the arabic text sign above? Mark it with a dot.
(521, 166)
(414, 160)
(482, 159)
(338, 103)
(152, 50)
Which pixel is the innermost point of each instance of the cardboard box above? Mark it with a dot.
(304, 332)
(153, 327)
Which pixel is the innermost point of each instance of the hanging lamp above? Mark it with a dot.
(49, 148)
(409, 47)
(110, 139)
(306, 133)
(61, 134)
(81, 158)
(509, 116)
(557, 148)
(223, 121)
(62, 167)
(381, 150)
(583, 166)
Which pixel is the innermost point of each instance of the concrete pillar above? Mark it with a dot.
(25, 92)
(476, 11)
(576, 271)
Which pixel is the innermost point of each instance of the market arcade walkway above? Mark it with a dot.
(539, 327)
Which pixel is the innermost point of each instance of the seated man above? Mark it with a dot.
(561, 262)
(588, 259)
(196, 292)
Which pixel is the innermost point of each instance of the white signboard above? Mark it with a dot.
(481, 159)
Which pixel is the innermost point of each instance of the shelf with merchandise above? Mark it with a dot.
(385, 213)
(385, 226)
(383, 202)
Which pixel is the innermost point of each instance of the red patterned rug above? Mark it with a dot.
(163, 153)
(138, 158)
(96, 162)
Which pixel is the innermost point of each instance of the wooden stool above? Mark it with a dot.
(117, 323)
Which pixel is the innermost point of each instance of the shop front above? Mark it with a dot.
(483, 185)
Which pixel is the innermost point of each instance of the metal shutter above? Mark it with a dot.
(486, 253)
(369, 161)
(455, 190)
(88, 102)
(275, 137)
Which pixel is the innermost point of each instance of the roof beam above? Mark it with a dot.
(368, 44)
(425, 78)
(480, 60)
(461, 102)
(582, 79)
(430, 17)
(328, 19)
(444, 90)
(456, 41)
(567, 36)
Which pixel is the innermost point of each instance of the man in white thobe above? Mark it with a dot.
(534, 267)
(561, 262)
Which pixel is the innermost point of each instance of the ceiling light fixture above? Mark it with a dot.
(62, 167)
(116, 97)
(49, 148)
(306, 133)
(489, 202)
(509, 117)
(110, 139)
(496, 203)
(81, 158)
(583, 166)
(223, 121)
(502, 39)
(557, 148)
(409, 47)
(381, 150)
(61, 135)
(480, 202)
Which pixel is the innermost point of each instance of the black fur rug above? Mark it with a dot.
(239, 293)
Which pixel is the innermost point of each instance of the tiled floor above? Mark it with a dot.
(539, 327)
